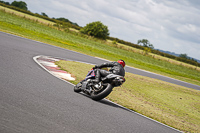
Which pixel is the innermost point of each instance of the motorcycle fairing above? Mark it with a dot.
(91, 74)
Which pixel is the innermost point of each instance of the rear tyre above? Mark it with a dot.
(104, 93)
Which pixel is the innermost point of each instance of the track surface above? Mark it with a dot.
(34, 101)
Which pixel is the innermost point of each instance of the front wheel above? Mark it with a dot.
(102, 94)
(77, 88)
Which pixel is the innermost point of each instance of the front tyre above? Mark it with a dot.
(104, 93)
(77, 88)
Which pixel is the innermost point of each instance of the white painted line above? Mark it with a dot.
(35, 59)
(47, 63)
(102, 59)
(144, 116)
(52, 58)
(66, 76)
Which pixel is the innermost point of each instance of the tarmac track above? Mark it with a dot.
(34, 101)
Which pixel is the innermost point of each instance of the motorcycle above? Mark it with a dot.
(98, 91)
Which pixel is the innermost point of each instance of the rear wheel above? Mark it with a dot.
(104, 92)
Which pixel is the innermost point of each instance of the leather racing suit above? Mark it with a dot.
(115, 68)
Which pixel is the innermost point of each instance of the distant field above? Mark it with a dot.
(91, 46)
(171, 104)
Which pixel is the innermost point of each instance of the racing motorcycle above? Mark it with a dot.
(98, 91)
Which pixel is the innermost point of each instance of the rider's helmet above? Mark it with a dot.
(122, 62)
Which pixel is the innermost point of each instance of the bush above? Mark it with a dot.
(96, 29)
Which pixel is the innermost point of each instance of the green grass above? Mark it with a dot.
(170, 104)
(88, 45)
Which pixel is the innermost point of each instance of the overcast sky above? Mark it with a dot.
(170, 25)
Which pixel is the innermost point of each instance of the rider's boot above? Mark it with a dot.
(97, 77)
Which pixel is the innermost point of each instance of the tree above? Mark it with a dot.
(96, 29)
(67, 20)
(145, 43)
(19, 4)
(63, 19)
(44, 14)
(183, 56)
(7, 3)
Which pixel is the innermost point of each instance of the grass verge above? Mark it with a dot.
(174, 105)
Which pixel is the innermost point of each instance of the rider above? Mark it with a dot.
(116, 68)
